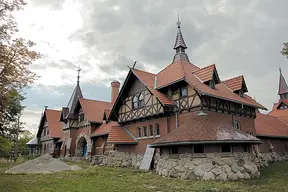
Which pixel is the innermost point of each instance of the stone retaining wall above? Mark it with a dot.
(121, 159)
(264, 159)
(210, 167)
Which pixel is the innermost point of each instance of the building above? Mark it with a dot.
(183, 110)
(272, 128)
(80, 129)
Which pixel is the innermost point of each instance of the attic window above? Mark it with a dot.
(141, 100)
(212, 84)
(183, 91)
(135, 102)
(81, 117)
(241, 93)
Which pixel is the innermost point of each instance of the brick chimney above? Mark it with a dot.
(115, 90)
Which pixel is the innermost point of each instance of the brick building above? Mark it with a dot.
(272, 128)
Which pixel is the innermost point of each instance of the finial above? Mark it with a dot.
(45, 107)
(78, 76)
(178, 22)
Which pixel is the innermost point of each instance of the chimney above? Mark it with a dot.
(115, 90)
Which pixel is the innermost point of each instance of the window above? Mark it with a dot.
(241, 93)
(199, 148)
(212, 84)
(47, 132)
(139, 132)
(157, 129)
(174, 150)
(81, 117)
(237, 125)
(183, 91)
(226, 148)
(144, 131)
(135, 102)
(141, 100)
(150, 130)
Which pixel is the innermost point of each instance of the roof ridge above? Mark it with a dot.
(144, 71)
(205, 67)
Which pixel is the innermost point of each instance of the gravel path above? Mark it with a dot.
(43, 164)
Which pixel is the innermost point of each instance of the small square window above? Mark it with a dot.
(199, 148)
(226, 148)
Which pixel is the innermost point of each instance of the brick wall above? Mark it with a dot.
(279, 145)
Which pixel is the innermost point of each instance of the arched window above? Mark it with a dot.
(141, 100)
(135, 102)
(139, 132)
(157, 129)
(151, 131)
(144, 131)
(237, 125)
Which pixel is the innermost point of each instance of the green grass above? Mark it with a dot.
(274, 178)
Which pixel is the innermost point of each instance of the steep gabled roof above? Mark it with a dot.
(209, 128)
(93, 109)
(206, 74)
(283, 88)
(55, 127)
(76, 95)
(267, 125)
(236, 83)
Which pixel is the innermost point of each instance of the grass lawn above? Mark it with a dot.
(274, 178)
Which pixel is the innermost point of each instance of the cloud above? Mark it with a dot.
(103, 37)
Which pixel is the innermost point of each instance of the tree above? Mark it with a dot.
(284, 51)
(16, 55)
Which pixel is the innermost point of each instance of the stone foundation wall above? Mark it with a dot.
(120, 159)
(211, 167)
(264, 159)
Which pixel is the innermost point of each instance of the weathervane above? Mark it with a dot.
(78, 76)
(178, 23)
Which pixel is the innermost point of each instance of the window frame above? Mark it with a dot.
(135, 102)
(180, 91)
(139, 130)
(171, 151)
(157, 127)
(81, 117)
(198, 154)
(226, 152)
(141, 102)
(149, 131)
(145, 131)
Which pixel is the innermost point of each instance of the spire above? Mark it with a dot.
(283, 88)
(78, 76)
(180, 45)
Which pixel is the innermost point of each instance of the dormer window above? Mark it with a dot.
(241, 93)
(183, 91)
(212, 84)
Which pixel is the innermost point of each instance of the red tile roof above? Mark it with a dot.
(174, 72)
(55, 127)
(119, 135)
(104, 129)
(267, 125)
(148, 80)
(206, 73)
(235, 84)
(209, 128)
(93, 109)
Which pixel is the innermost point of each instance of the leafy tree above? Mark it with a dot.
(16, 55)
(284, 51)
(5, 146)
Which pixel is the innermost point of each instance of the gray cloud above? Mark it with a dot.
(241, 37)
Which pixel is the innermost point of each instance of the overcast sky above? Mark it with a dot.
(103, 37)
